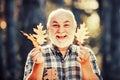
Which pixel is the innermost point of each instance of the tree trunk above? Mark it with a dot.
(110, 39)
(11, 48)
(2, 60)
(115, 41)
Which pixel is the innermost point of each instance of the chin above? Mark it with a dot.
(62, 43)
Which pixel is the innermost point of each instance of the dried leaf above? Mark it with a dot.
(82, 34)
(39, 37)
(30, 37)
(39, 34)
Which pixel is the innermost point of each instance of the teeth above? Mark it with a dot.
(61, 36)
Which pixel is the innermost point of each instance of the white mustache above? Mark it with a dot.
(69, 40)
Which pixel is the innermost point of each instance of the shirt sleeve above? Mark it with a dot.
(28, 67)
(94, 64)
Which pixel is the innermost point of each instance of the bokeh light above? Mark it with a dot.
(87, 5)
(3, 24)
(93, 24)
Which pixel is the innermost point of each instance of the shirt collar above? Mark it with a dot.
(56, 52)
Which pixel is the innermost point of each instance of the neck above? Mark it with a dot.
(63, 51)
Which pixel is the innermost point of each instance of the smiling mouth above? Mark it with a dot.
(61, 37)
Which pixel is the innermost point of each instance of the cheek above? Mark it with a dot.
(71, 31)
(52, 31)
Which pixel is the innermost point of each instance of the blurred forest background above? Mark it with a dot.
(102, 18)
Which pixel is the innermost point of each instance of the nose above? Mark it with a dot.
(61, 29)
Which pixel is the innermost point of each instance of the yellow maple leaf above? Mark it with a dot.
(39, 34)
(82, 34)
(39, 37)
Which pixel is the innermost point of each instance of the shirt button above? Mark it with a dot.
(62, 60)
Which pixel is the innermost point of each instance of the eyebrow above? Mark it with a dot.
(55, 22)
(64, 21)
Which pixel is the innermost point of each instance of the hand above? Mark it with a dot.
(84, 55)
(84, 59)
(38, 67)
(36, 55)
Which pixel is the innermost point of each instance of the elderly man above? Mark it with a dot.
(61, 59)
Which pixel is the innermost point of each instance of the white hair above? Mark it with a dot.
(55, 12)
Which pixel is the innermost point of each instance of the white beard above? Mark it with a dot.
(64, 43)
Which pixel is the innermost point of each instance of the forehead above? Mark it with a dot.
(62, 17)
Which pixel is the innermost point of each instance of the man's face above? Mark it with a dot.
(61, 30)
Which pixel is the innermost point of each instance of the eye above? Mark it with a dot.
(66, 25)
(56, 25)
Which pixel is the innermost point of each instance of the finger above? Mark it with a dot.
(33, 54)
(83, 50)
(84, 55)
(45, 78)
(78, 59)
(55, 78)
(81, 55)
(81, 46)
(36, 57)
(81, 60)
(35, 51)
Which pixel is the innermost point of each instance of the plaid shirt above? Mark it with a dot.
(67, 68)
